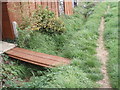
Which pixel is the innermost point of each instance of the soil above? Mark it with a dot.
(102, 54)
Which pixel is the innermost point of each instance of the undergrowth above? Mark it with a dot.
(78, 43)
(44, 21)
(111, 43)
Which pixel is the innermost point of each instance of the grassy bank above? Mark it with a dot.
(111, 42)
(78, 43)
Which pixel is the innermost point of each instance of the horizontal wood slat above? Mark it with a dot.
(37, 58)
(43, 55)
(30, 61)
(31, 57)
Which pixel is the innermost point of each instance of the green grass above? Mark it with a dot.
(111, 43)
(78, 43)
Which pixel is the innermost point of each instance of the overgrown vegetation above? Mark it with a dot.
(78, 43)
(43, 20)
(111, 42)
(86, 9)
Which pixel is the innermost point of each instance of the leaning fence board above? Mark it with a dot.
(30, 61)
(30, 57)
(37, 58)
(43, 55)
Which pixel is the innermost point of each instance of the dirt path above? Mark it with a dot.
(102, 54)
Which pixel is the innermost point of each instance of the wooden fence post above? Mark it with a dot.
(8, 32)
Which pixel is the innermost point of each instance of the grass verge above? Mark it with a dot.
(78, 44)
(111, 42)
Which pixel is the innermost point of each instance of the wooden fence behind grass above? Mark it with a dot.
(19, 9)
(13, 11)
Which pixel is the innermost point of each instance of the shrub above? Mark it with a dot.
(24, 38)
(45, 21)
(86, 9)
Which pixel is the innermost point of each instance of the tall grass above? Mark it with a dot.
(111, 42)
(78, 43)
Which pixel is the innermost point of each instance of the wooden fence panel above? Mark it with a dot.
(14, 11)
(44, 4)
(38, 4)
(54, 7)
(57, 8)
(49, 5)
(32, 7)
(68, 8)
(24, 7)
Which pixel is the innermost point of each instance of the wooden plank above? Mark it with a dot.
(37, 58)
(32, 58)
(43, 55)
(44, 65)
(68, 8)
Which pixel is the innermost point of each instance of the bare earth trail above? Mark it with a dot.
(102, 54)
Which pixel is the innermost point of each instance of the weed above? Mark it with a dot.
(78, 43)
(70, 77)
(5, 57)
(111, 43)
